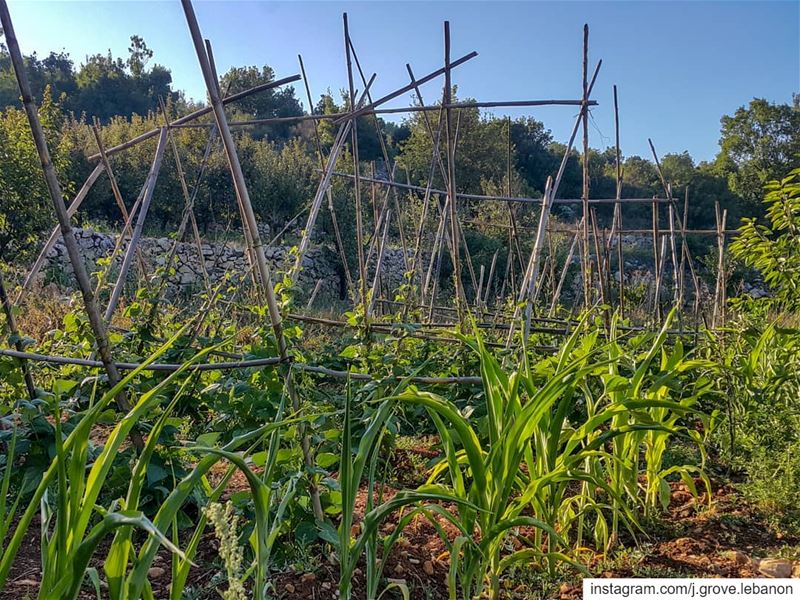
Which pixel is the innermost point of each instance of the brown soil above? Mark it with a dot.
(697, 541)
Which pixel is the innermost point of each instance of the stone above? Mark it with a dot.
(308, 577)
(738, 557)
(289, 588)
(775, 567)
(156, 572)
(427, 566)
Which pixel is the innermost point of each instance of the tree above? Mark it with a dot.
(480, 154)
(532, 155)
(25, 211)
(758, 144)
(264, 105)
(775, 250)
(139, 55)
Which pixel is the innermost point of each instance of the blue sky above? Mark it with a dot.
(679, 66)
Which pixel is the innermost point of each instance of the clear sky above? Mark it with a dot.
(679, 66)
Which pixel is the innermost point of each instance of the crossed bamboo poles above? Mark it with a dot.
(449, 232)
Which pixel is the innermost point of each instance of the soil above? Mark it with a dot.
(692, 539)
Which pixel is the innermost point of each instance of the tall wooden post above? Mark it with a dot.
(252, 225)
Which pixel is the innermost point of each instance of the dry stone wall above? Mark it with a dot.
(220, 259)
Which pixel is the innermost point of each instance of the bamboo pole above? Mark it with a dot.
(54, 190)
(718, 316)
(405, 89)
(147, 196)
(56, 233)
(600, 270)
(321, 158)
(656, 265)
(107, 165)
(188, 200)
(479, 291)
(322, 188)
(682, 269)
(585, 267)
(490, 280)
(314, 294)
(451, 174)
(114, 190)
(435, 159)
(341, 116)
(379, 261)
(518, 200)
(386, 159)
(618, 208)
(512, 218)
(667, 189)
(16, 339)
(362, 268)
(673, 255)
(253, 271)
(182, 227)
(251, 224)
(567, 263)
(532, 272)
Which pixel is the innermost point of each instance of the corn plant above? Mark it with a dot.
(487, 481)
(535, 456)
(67, 540)
(351, 475)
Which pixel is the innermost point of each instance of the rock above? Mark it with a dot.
(738, 557)
(156, 572)
(775, 567)
(288, 588)
(326, 585)
(399, 569)
(427, 566)
(308, 577)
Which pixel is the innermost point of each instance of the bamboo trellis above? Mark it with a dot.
(536, 284)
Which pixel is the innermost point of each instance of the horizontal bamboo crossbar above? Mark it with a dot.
(395, 110)
(241, 364)
(483, 197)
(196, 115)
(126, 366)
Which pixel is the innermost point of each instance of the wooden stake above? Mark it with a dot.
(328, 192)
(586, 268)
(618, 209)
(147, 196)
(17, 339)
(562, 279)
(251, 224)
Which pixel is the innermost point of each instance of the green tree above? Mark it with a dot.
(775, 250)
(264, 105)
(759, 143)
(25, 211)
